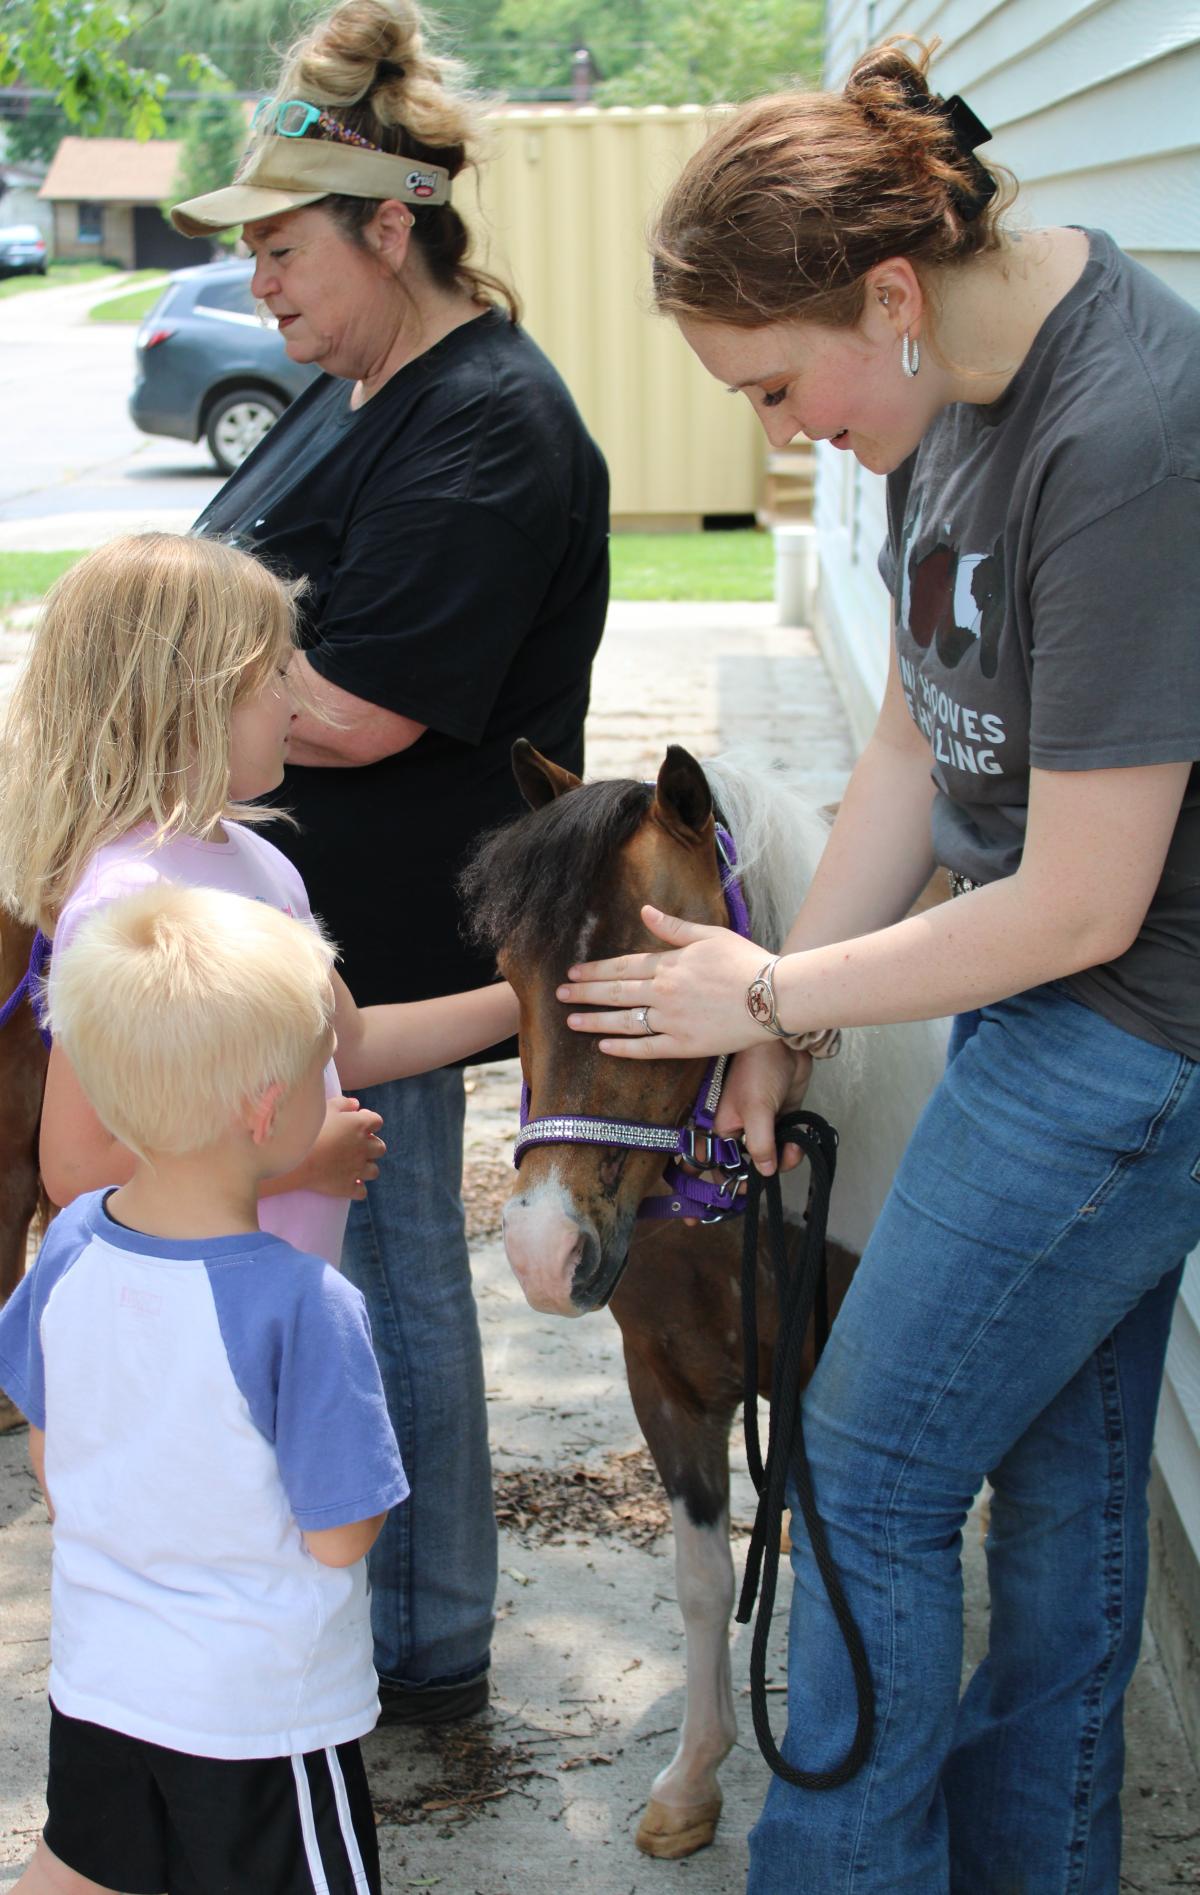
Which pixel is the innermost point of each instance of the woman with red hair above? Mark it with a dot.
(1033, 398)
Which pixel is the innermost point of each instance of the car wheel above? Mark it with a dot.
(237, 423)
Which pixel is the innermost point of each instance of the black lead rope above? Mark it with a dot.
(799, 1292)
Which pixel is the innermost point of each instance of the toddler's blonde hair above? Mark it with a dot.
(177, 1006)
(122, 713)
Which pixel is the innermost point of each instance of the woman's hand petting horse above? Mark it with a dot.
(695, 1004)
(691, 1014)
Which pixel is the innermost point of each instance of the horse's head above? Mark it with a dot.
(562, 884)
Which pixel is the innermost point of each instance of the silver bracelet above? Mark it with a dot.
(822, 1042)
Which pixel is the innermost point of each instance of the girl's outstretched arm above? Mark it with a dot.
(394, 1042)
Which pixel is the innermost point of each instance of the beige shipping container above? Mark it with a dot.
(563, 205)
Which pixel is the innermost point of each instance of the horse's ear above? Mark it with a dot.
(684, 800)
(539, 780)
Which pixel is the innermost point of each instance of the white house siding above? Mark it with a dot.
(1094, 108)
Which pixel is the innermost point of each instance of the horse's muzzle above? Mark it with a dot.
(556, 1254)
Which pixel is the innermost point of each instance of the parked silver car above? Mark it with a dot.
(207, 366)
(22, 247)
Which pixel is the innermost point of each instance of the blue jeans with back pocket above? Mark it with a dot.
(1009, 1319)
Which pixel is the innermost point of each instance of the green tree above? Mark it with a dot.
(660, 52)
(242, 38)
(74, 51)
(710, 51)
(33, 137)
(534, 40)
(214, 137)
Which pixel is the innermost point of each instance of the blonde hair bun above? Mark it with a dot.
(375, 52)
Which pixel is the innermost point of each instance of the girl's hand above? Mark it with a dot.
(345, 1157)
(694, 997)
(759, 1084)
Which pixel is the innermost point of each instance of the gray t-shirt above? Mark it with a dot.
(1043, 554)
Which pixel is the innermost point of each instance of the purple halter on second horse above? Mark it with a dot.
(27, 988)
(689, 1148)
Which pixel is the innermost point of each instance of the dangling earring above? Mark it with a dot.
(910, 356)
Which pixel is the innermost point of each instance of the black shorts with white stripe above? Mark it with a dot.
(133, 1816)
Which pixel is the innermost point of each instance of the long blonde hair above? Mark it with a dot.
(122, 713)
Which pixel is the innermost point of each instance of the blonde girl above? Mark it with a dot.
(154, 708)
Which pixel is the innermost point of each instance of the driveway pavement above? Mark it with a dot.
(71, 449)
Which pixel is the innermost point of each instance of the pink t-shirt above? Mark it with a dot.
(244, 864)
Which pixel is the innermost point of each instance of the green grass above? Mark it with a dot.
(25, 576)
(698, 566)
(56, 277)
(130, 308)
(695, 566)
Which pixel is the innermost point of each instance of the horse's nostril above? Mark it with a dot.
(586, 1262)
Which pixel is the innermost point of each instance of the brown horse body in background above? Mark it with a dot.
(567, 883)
(22, 1078)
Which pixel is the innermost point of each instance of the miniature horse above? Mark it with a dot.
(566, 883)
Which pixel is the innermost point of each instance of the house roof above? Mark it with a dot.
(113, 171)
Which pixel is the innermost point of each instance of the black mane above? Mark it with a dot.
(529, 883)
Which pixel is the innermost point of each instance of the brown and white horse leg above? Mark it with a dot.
(685, 1798)
(687, 1432)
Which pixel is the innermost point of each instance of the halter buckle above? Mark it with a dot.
(729, 1187)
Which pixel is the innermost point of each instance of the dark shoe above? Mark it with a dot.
(435, 1704)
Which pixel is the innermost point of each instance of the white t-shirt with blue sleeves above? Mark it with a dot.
(202, 1403)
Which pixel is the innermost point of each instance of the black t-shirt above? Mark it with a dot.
(454, 534)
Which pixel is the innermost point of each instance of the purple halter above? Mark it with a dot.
(28, 986)
(688, 1148)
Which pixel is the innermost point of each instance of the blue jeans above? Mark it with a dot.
(1008, 1319)
(433, 1567)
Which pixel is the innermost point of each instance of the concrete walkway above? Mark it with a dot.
(542, 1798)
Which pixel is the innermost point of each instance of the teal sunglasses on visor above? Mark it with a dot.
(294, 117)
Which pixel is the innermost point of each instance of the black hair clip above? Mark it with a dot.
(969, 131)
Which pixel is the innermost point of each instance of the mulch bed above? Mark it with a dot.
(621, 1495)
(472, 1768)
(487, 1182)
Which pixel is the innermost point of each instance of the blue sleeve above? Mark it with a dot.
(299, 1346)
(22, 1368)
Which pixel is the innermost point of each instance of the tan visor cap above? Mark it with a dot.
(282, 174)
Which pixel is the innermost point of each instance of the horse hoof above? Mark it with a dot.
(669, 1833)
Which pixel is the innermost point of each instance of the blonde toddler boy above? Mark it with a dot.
(208, 1424)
